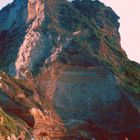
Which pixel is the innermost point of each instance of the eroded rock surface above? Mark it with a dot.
(65, 76)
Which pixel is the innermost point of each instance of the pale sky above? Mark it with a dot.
(129, 13)
(4, 2)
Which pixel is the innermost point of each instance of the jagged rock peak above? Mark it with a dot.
(36, 43)
(35, 8)
(15, 14)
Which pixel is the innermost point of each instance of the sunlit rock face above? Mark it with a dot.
(35, 44)
(64, 74)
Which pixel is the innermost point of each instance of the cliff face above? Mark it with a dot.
(13, 15)
(72, 78)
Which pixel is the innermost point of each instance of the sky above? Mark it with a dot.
(4, 2)
(129, 13)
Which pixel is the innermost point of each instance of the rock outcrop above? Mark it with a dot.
(65, 75)
(34, 46)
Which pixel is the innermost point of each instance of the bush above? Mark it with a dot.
(131, 72)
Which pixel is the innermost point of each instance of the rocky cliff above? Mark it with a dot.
(64, 74)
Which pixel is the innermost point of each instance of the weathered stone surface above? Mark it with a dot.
(73, 79)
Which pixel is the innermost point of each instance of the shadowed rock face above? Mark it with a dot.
(89, 99)
(13, 15)
(82, 90)
(73, 79)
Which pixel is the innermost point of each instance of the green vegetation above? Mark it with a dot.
(88, 16)
(8, 125)
(113, 45)
(81, 14)
(91, 17)
(70, 18)
(86, 40)
(132, 77)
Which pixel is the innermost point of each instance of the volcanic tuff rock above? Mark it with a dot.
(64, 74)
